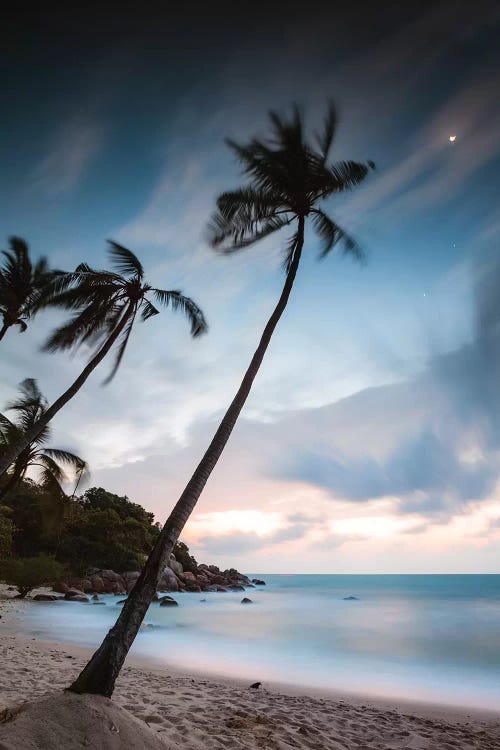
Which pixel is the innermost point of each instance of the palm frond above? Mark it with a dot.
(125, 260)
(244, 233)
(178, 302)
(148, 310)
(50, 466)
(326, 137)
(66, 457)
(289, 253)
(122, 345)
(345, 175)
(331, 234)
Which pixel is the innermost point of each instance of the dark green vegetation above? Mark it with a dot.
(288, 179)
(27, 573)
(98, 529)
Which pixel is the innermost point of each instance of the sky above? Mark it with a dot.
(371, 439)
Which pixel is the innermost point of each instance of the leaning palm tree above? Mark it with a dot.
(21, 283)
(106, 305)
(28, 408)
(288, 178)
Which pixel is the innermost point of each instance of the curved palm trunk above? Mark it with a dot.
(100, 674)
(10, 455)
(11, 484)
(3, 330)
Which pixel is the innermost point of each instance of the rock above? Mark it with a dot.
(97, 604)
(255, 685)
(175, 566)
(203, 600)
(74, 592)
(258, 582)
(97, 584)
(167, 601)
(77, 598)
(216, 587)
(122, 601)
(168, 581)
(214, 569)
(46, 598)
(130, 579)
(246, 600)
(217, 578)
(94, 598)
(193, 587)
(59, 588)
(236, 587)
(350, 598)
(188, 577)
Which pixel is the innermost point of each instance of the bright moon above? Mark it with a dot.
(453, 138)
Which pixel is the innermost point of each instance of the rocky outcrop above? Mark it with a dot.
(174, 579)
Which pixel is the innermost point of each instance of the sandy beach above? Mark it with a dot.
(195, 712)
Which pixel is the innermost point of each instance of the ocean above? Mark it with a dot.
(418, 637)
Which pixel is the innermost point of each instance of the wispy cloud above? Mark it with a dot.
(72, 149)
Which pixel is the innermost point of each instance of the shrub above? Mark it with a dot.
(7, 529)
(181, 552)
(29, 572)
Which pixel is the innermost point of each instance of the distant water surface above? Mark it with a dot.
(422, 637)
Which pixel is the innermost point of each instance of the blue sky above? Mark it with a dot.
(369, 440)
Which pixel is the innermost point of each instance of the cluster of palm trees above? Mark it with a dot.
(288, 178)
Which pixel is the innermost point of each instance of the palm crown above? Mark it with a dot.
(29, 407)
(288, 179)
(21, 284)
(104, 299)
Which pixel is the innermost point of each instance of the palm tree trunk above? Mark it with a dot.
(10, 455)
(11, 484)
(100, 673)
(3, 330)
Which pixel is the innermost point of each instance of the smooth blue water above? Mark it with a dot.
(421, 637)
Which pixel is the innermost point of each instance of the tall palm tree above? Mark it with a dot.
(21, 282)
(288, 178)
(29, 407)
(107, 304)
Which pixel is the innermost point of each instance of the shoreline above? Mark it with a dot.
(10, 627)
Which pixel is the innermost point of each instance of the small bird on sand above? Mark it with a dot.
(255, 686)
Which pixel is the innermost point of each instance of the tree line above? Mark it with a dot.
(288, 180)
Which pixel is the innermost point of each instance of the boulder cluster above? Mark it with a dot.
(174, 579)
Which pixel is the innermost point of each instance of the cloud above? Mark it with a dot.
(450, 459)
(72, 149)
(238, 543)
